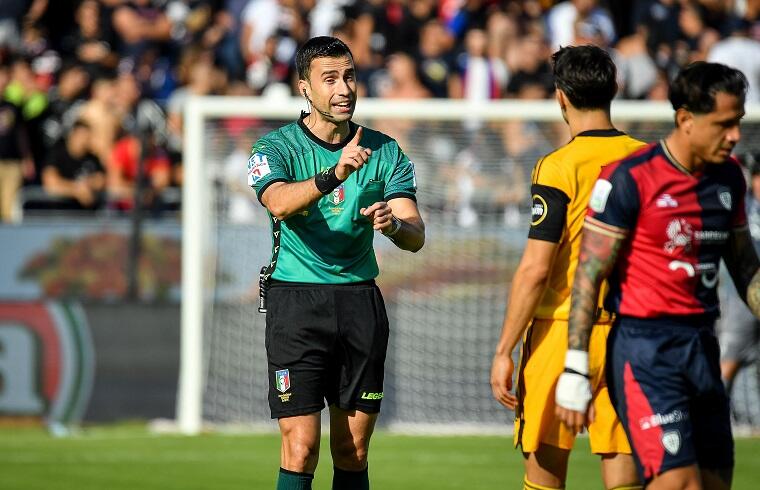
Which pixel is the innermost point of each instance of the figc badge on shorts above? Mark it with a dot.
(282, 380)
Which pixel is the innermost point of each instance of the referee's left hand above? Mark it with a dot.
(379, 214)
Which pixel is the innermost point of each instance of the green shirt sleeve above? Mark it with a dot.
(402, 182)
(265, 167)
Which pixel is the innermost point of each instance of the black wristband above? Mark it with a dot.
(326, 180)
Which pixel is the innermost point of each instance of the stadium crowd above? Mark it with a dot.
(91, 88)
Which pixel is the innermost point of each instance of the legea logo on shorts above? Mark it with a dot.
(372, 396)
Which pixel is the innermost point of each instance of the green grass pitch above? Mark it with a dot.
(128, 457)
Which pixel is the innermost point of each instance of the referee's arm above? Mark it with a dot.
(400, 220)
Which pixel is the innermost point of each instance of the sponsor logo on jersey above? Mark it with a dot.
(599, 195)
(679, 234)
(724, 197)
(708, 272)
(671, 441)
(258, 167)
(666, 201)
(539, 210)
(282, 380)
(338, 195)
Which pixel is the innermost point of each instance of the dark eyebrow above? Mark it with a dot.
(333, 73)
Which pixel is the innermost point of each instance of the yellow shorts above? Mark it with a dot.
(541, 362)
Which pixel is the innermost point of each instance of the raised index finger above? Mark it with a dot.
(357, 137)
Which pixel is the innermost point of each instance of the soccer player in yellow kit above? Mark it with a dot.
(539, 300)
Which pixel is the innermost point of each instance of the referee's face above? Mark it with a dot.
(332, 88)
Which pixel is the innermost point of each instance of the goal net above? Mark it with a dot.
(445, 303)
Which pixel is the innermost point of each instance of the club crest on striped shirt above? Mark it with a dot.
(725, 199)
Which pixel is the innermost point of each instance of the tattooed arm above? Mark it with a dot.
(598, 254)
(743, 265)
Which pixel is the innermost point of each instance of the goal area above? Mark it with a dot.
(445, 303)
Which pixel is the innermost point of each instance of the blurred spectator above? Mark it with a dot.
(563, 17)
(657, 21)
(89, 42)
(138, 115)
(242, 207)
(637, 72)
(65, 101)
(224, 36)
(742, 53)
(482, 77)
(697, 38)
(15, 155)
(435, 61)
(271, 32)
(530, 65)
(135, 163)
(13, 14)
(402, 80)
(99, 113)
(140, 25)
(73, 172)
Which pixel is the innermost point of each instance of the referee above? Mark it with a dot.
(327, 183)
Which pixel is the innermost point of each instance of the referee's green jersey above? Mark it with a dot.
(329, 243)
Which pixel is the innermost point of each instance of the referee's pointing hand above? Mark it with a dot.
(353, 157)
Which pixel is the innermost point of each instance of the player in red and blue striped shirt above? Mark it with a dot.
(658, 224)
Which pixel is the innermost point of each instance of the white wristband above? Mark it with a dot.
(577, 360)
(396, 226)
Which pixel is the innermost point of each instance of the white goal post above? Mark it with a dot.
(440, 123)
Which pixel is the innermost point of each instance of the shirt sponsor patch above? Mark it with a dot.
(258, 167)
(538, 210)
(599, 195)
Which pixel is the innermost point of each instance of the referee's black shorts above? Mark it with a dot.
(325, 342)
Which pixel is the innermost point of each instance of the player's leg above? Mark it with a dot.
(360, 359)
(682, 478)
(544, 440)
(647, 387)
(299, 451)
(606, 433)
(546, 468)
(299, 339)
(711, 415)
(350, 432)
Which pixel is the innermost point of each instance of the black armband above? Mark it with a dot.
(326, 180)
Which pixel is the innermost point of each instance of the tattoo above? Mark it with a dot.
(598, 255)
(744, 267)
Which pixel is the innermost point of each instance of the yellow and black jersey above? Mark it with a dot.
(561, 186)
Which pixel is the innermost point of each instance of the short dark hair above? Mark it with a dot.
(587, 75)
(319, 47)
(695, 86)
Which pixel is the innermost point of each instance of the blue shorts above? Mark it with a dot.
(664, 380)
